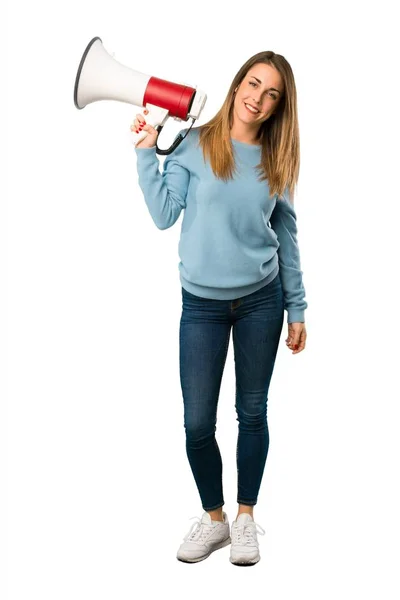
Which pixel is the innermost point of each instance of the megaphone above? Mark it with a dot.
(101, 77)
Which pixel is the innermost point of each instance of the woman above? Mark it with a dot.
(239, 269)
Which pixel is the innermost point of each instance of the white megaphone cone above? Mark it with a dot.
(101, 77)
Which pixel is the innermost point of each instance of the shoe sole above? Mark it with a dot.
(217, 547)
(242, 563)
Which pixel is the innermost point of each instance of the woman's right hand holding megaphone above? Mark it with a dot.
(139, 125)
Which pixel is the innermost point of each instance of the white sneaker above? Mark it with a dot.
(204, 537)
(244, 546)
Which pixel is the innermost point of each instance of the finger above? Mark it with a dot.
(297, 351)
(299, 348)
(140, 119)
(294, 340)
(302, 339)
(138, 125)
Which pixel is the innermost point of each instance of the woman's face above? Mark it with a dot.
(261, 88)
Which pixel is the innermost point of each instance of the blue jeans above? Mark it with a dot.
(204, 334)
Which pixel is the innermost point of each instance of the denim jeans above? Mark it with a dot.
(204, 335)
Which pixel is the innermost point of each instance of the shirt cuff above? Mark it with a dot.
(295, 315)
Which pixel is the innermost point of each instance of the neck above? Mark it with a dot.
(245, 135)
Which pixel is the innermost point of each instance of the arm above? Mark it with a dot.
(164, 193)
(283, 222)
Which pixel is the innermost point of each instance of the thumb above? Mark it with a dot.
(296, 341)
(150, 129)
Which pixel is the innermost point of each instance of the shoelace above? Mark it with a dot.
(199, 531)
(245, 535)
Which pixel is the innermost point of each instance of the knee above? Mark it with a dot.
(255, 420)
(198, 434)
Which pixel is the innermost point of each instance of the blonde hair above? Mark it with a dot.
(278, 135)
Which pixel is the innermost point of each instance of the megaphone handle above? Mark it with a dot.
(155, 117)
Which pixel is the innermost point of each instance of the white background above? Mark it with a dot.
(100, 491)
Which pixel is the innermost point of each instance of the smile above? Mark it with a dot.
(251, 109)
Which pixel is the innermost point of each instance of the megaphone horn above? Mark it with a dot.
(101, 77)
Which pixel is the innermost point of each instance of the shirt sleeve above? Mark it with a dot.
(164, 193)
(283, 222)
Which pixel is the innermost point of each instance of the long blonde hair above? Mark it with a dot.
(278, 135)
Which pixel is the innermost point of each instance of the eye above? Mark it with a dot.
(274, 96)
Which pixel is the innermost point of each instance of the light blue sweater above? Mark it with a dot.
(227, 248)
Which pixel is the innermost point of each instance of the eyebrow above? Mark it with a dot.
(259, 81)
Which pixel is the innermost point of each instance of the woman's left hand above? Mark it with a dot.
(296, 339)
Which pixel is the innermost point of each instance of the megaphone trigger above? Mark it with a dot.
(156, 117)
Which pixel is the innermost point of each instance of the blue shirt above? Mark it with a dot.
(234, 238)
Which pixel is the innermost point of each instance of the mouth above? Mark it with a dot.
(251, 109)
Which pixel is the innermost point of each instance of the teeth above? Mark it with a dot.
(251, 108)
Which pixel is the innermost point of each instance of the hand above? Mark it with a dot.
(138, 125)
(296, 339)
